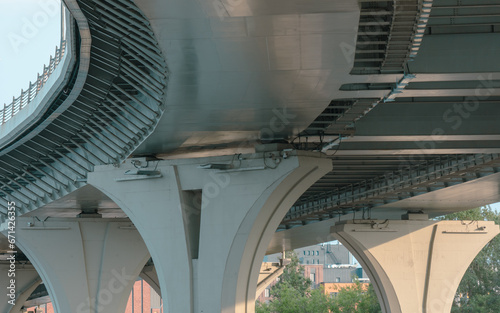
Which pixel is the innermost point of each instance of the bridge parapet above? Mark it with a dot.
(62, 52)
(28, 95)
(113, 102)
(33, 102)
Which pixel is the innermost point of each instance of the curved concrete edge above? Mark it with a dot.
(83, 66)
(24, 295)
(239, 211)
(24, 278)
(151, 277)
(257, 229)
(13, 128)
(416, 265)
(103, 260)
(65, 174)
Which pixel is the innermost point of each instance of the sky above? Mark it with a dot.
(29, 33)
(496, 206)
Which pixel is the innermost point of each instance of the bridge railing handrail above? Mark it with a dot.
(9, 110)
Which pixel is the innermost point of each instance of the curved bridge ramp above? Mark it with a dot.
(112, 102)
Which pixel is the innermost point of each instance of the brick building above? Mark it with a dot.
(328, 264)
(143, 299)
(333, 289)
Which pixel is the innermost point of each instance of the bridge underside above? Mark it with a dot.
(402, 111)
(401, 97)
(407, 115)
(398, 126)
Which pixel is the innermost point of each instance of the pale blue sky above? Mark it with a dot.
(496, 206)
(30, 32)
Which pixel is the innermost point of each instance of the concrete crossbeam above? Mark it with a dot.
(87, 264)
(415, 265)
(207, 222)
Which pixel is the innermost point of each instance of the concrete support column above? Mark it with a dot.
(25, 280)
(207, 222)
(415, 265)
(151, 277)
(87, 264)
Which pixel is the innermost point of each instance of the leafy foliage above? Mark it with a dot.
(480, 286)
(479, 289)
(293, 294)
(356, 299)
(293, 277)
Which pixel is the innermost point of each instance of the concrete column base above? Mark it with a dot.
(87, 264)
(207, 222)
(415, 265)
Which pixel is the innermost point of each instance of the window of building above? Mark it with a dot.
(337, 279)
(317, 252)
(312, 277)
(266, 293)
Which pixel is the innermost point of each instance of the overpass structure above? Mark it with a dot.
(205, 134)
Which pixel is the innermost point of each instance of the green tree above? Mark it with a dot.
(369, 303)
(261, 307)
(290, 293)
(480, 285)
(317, 301)
(355, 299)
(293, 294)
(293, 276)
(287, 300)
(479, 288)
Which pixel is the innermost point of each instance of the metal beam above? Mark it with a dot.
(397, 185)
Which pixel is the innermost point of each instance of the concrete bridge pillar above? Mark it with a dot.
(25, 280)
(87, 264)
(151, 277)
(415, 265)
(207, 222)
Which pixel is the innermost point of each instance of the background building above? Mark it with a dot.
(329, 264)
(143, 299)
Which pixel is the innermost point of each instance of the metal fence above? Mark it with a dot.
(17, 104)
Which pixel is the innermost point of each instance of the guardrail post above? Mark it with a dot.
(34, 88)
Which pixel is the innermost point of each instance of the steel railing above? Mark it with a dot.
(17, 104)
